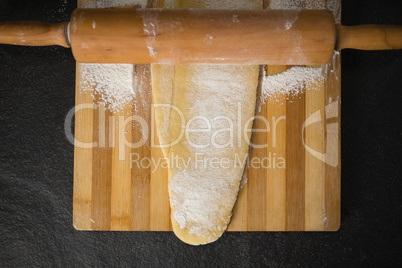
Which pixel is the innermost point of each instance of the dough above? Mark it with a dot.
(218, 101)
(212, 105)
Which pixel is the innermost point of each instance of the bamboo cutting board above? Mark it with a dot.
(303, 194)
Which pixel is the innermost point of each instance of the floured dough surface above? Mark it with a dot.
(214, 104)
(205, 110)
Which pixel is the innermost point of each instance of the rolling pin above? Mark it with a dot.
(175, 36)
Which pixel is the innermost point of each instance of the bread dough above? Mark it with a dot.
(212, 105)
(218, 101)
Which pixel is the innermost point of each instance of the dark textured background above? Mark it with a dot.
(36, 166)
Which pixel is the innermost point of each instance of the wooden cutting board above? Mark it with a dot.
(303, 194)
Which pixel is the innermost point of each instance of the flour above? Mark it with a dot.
(115, 3)
(230, 4)
(332, 5)
(113, 85)
(116, 85)
(293, 80)
(214, 4)
(116, 90)
(63, 7)
(203, 195)
(243, 181)
(199, 210)
(290, 81)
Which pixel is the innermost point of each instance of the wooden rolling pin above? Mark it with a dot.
(202, 36)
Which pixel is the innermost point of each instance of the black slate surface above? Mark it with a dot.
(36, 166)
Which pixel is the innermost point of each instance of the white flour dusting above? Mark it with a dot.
(214, 4)
(332, 5)
(218, 89)
(202, 194)
(290, 81)
(243, 181)
(115, 3)
(112, 84)
(293, 80)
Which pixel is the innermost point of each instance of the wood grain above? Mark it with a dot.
(369, 37)
(315, 168)
(256, 187)
(188, 36)
(121, 181)
(276, 177)
(113, 194)
(295, 163)
(84, 125)
(33, 33)
(333, 145)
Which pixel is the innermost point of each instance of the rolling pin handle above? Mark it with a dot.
(34, 33)
(369, 37)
